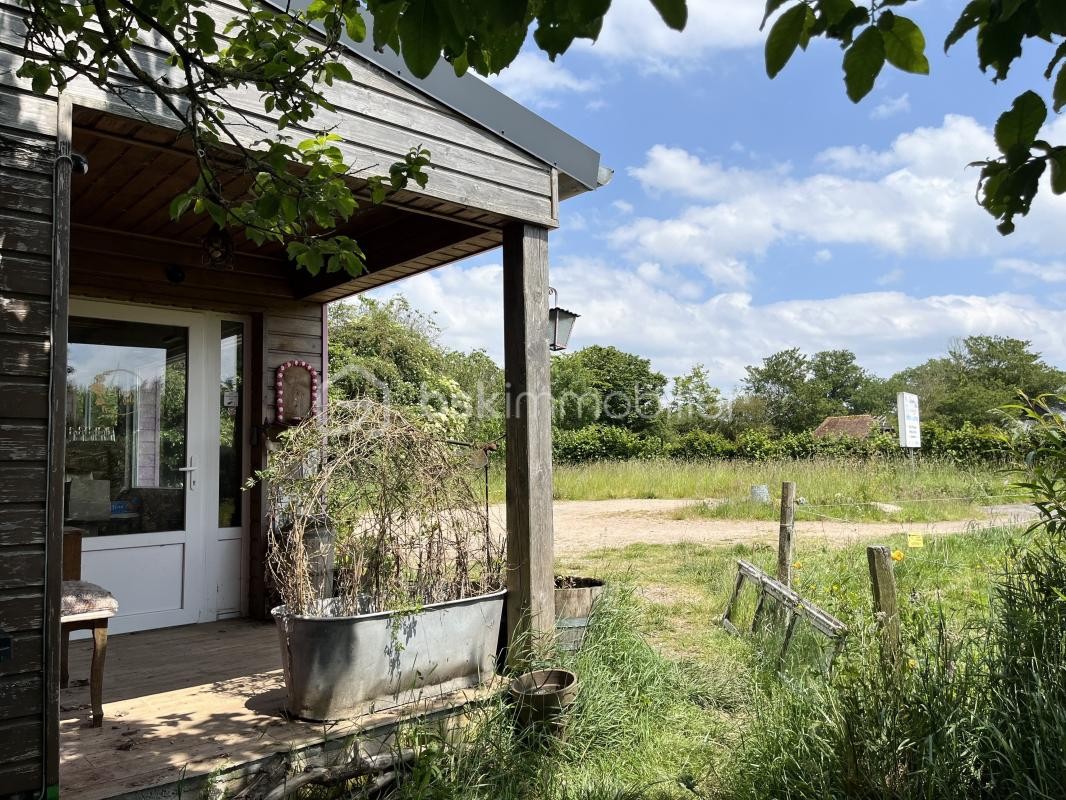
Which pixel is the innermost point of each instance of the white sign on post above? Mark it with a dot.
(910, 431)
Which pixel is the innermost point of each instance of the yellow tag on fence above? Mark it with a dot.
(915, 540)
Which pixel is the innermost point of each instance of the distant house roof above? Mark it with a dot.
(859, 426)
(488, 107)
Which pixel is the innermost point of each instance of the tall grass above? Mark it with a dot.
(818, 481)
(642, 726)
(976, 709)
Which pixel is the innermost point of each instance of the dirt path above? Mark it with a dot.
(585, 525)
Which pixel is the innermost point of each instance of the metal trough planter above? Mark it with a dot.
(344, 666)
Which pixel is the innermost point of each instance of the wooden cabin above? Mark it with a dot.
(137, 387)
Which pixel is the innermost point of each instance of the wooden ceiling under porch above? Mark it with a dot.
(125, 246)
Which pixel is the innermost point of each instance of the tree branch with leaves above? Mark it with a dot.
(288, 181)
(875, 34)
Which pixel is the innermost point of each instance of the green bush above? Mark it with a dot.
(596, 443)
(968, 444)
(700, 446)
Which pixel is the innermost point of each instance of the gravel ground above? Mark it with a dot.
(582, 526)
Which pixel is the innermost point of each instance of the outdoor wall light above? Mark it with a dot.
(560, 323)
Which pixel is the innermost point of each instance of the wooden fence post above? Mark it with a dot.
(785, 544)
(883, 581)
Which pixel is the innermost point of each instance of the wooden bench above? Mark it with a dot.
(85, 606)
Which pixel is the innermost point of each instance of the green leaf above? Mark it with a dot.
(1059, 92)
(784, 38)
(863, 62)
(905, 46)
(42, 80)
(771, 7)
(1017, 128)
(673, 12)
(420, 37)
(1053, 15)
(970, 18)
(179, 205)
(1057, 160)
(835, 10)
(356, 26)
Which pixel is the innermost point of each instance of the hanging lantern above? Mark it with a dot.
(560, 323)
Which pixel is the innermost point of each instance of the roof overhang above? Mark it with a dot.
(470, 96)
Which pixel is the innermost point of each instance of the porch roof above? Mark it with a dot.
(578, 164)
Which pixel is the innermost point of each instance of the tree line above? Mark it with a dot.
(612, 404)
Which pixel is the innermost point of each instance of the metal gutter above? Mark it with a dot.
(488, 107)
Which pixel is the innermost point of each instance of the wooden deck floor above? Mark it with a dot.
(183, 702)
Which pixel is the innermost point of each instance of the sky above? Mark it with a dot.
(747, 216)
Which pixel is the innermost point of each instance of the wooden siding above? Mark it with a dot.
(379, 118)
(27, 155)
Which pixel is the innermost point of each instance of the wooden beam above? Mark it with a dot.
(57, 434)
(408, 238)
(258, 601)
(530, 538)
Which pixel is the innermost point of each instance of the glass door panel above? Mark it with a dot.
(126, 409)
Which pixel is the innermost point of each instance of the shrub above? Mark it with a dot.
(596, 443)
(700, 445)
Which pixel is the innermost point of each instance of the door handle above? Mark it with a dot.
(189, 470)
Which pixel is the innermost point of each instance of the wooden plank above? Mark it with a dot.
(20, 739)
(21, 611)
(27, 112)
(530, 545)
(22, 233)
(288, 324)
(24, 357)
(24, 776)
(20, 695)
(25, 274)
(301, 346)
(24, 316)
(22, 525)
(25, 191)
(26, 655)
(22, 567)
(24, 400)
(23, 441)
(22, 483)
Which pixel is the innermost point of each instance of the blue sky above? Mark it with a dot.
(748, 215)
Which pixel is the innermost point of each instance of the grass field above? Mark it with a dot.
(927, 490)
(667, 697)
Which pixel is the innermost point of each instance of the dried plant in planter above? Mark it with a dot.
(404, 509)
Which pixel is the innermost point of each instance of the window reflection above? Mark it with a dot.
(230, 408)
(126, 426)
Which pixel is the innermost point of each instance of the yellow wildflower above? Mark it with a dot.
(897, 555)
(797, 565)
(912, 663)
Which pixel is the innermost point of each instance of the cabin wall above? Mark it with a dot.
(379, 118)
(28, 148)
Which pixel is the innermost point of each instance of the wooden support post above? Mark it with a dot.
(785, 544)
(530, 542)
(883, 581)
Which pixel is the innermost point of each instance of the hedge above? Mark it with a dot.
(968, 444)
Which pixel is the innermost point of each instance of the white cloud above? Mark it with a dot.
(623, 207)
(892, 106)
(823, 255)
(634, 31)
(915, 197)
(1052, 272)
(890, 277)
(533, 80)
(641, 310)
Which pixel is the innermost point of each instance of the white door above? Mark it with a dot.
(149, 472)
